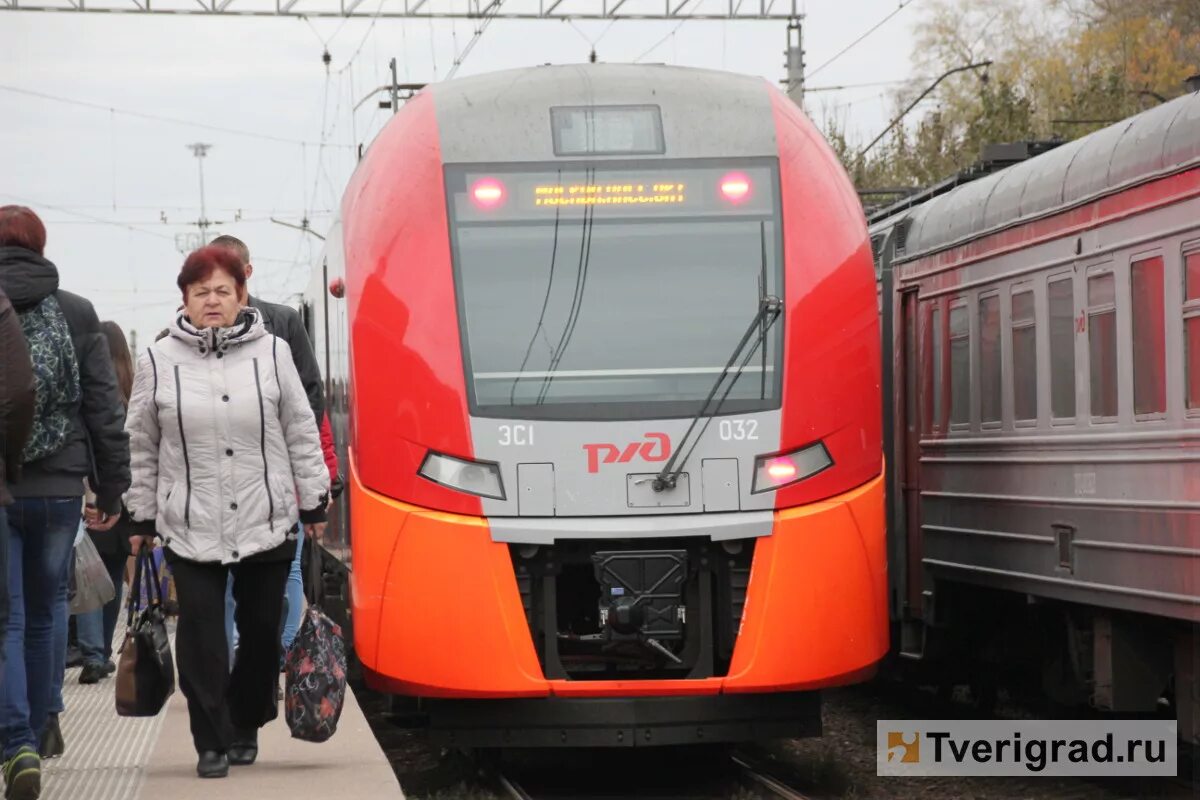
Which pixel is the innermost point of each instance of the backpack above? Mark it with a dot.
(55, 376)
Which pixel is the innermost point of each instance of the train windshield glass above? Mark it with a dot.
(614, 292)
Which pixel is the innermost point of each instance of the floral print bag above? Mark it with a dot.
(315, 667)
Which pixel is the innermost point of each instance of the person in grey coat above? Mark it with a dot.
(226, 463)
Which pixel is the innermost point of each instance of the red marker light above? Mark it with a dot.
(735, 187)
(781, 469)
(488, 193)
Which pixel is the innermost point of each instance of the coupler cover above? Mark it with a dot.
(641, 592)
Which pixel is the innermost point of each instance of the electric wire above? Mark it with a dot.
(585, 256)
(157, 117)
(903, 5)
(512, 395)
(660, 42)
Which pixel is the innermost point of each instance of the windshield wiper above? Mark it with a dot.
(769, 309)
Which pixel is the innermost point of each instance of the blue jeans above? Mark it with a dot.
(40, 547)
(295, 598)
(3, 581)
(59, 664)
(96, 628)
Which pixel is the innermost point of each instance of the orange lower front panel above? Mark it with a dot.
(437, 610)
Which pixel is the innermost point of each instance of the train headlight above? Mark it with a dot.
(775, 471)
(473, 477)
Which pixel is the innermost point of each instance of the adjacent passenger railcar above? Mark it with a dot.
(1046, 487)
(608, 366)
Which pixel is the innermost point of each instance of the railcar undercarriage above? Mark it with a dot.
(634, 610)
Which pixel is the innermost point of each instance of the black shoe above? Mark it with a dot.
(23, 775)
(52, 744)
(74, 657)
(212, 764)
(92, 673)
(244, 749)
(109, 667)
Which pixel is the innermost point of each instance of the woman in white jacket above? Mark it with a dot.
(226, 461)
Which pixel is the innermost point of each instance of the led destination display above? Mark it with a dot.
(609, 194)
(499, 195)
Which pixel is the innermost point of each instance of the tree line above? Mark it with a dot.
(1060, 69)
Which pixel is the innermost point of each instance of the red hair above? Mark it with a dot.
(202, 263)
(20, 227)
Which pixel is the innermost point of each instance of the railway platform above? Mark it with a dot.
(114, 758)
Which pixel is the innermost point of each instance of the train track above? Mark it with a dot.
(762, 780)
(510, 787)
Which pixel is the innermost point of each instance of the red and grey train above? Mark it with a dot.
(1044, 504)
(603, 347)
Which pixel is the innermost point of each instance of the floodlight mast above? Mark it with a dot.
(200, 150)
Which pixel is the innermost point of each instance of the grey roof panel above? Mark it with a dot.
(972, 205)
(1164, 138)
(505, 116)
(1044, 189)
(1182, 143)
(1008, 192)
(1088, 173)
(1140, 150)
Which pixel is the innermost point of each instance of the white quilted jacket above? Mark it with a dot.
(222, 440)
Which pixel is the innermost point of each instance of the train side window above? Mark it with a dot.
(1191, 327)
(1024, 349)
(1149, 336)
(1061, 301)
(989, 358)
(1102, 344)
(935, 383)
(960, 364)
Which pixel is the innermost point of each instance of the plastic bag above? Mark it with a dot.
(93, 587)
(315, 684)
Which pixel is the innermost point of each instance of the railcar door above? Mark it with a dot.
(908, 402)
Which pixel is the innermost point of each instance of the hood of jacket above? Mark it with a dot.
(247, 327)
(26, 277)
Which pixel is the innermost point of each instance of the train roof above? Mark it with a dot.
(1156, 142)
(505, 117)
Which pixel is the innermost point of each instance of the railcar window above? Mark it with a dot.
(1191, 323)
(1149, 337)
(935, 335)
(960, 365)
(1024, 347)
(989, 357)
(1061, 297)
(1102, 344)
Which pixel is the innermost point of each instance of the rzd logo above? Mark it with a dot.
(655, 447)
(905, 748)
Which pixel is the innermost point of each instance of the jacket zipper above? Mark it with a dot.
(262, 439)
(187, 467)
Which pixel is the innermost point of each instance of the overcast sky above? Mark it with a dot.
(104, 180)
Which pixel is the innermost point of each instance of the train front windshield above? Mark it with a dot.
(608, 291)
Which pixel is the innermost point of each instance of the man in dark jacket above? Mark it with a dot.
(16, 417)
(45, 516)
(285, 323)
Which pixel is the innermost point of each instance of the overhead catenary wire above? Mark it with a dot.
(36, 204)
(903, 5)
(661, 41)
(157, 117)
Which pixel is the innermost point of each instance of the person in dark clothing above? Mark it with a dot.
(16, 418)
(285, 323)
(78, 432)
(96, 628)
